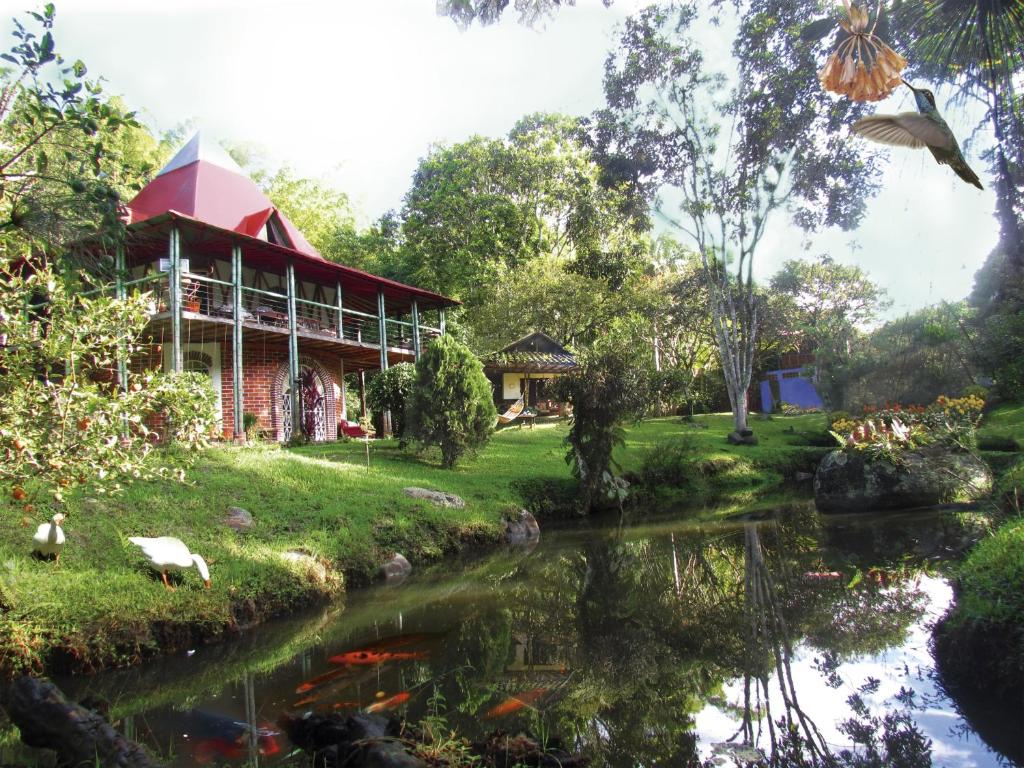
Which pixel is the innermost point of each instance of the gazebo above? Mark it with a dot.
(526, 368)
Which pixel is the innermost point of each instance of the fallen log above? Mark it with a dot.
(79, 736)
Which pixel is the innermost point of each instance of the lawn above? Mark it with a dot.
(102, 606)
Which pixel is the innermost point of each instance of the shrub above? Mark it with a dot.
(187, 403)
(450, 404)
(390, 390)
(606, 389)
(670, 463)
(249, 424)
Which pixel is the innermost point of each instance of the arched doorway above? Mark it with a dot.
(316, 403)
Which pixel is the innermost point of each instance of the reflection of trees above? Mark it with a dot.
(768, 635)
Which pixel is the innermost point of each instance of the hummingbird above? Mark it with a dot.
(924, 128)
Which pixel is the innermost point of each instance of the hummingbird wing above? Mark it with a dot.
(907, 129)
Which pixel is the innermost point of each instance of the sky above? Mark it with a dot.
(356, 91)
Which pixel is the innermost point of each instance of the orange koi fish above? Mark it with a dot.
(305, 701)
(316, 682)
(376, 657)
(515, 703)
(346, 705)
(395, 701)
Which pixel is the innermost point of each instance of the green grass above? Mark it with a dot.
(980, 643)
(102, 606)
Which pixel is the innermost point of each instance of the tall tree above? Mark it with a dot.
(732, 157)
(828, 304)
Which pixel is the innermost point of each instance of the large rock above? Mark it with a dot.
(395, 570)
(522, 530)
(440, 498)
(849, 482)
(238, 518)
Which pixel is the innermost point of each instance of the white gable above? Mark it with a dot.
(196, 149)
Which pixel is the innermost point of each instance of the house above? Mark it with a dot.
(525, 368)
(241, 295)
(791, 383)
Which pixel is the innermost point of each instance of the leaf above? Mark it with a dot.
(857, 577)
(46, 48)
(79, 68)
(816, 31)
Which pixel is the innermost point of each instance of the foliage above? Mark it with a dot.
(914, 358)
(485, 12)
(887, 432)
(250, 422)
(187, 404)
(827, 304)
(390, 390)
(63, 421)
(66, 152)
(451, 404)
(607, 389)
(670, 121)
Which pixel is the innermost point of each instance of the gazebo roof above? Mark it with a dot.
(536, 353)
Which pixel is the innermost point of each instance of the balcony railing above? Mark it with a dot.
(211, 298)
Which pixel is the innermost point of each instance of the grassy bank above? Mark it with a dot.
(101, 606)
(980, 643)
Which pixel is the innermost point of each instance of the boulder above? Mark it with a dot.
(522, 530)
(440, 498)
(850, 482)
(395, 570)
(238, 518)
(739, 438)
(315, 569)
(358, 741)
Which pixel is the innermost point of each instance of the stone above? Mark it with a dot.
(395, 570)
(850, 482)
(522, 530)
(316, 570)
(357, 741)
(440, 498)
(737, 438)
(238, 518)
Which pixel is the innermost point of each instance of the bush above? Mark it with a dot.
(670, 463)
(188, 405)
(450, 404)
(390, 391)
(606, 389)
(249, 423)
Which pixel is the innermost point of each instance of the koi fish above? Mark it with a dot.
(346, 705)
(217, 736)
(395, 701)
(515, 703)
(304, 701)
(316, 682)
(357, 658)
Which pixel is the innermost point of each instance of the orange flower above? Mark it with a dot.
(862, 67)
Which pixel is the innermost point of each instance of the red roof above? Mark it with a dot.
(204, 183)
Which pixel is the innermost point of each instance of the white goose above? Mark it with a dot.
(49, 538)
(166, 553)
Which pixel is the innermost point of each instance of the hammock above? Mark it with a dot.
(510, 415)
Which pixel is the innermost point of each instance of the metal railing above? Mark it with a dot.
(201, 295)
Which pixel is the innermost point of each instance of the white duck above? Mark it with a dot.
(49, 538)
(166, 553)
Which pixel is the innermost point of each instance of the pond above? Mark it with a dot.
(643, 644)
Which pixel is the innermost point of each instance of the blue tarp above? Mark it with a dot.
(794, 388)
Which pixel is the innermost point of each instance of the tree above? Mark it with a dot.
(609, 388)
(451, 404)
(828, 305)
(484, 12)
(733, 158)
(64, 422)
(390, 390)
(60, 175)
(484, 207)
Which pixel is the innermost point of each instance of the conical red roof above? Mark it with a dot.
(204, 183)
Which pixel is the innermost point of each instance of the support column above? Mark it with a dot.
(236, 342)
(362, 394)
(382, 324)
(121, 293)
(441, 321)
(344, 400)
(174, 279)
(415, 330)
(293, 356)
(341, 317)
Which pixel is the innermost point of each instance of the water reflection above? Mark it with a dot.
(642, 645)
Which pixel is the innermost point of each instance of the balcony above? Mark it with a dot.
(208, 314)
